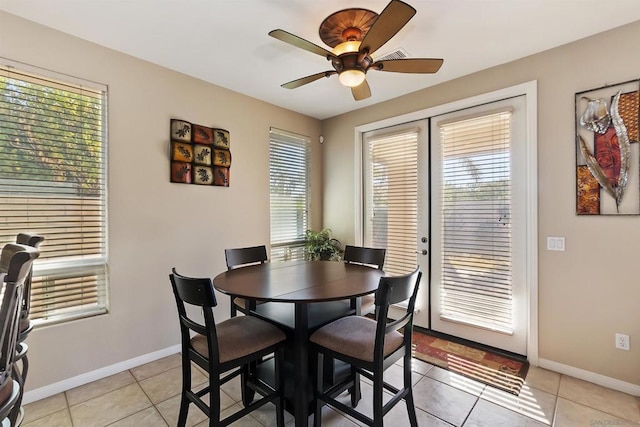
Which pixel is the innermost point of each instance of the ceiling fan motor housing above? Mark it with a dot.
(352, 61)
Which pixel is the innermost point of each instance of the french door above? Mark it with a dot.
(478, 224)
(448, 193)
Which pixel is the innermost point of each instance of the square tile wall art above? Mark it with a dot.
(607, 150)
(199, 154)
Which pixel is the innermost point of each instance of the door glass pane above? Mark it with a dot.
(476, 255)
(391, 201)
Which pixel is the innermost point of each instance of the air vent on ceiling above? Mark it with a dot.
(399, 53)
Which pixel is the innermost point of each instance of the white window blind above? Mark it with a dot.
(289, 194)
(476, 264)
(391, 202)
(53, 183)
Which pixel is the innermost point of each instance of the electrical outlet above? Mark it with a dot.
(622, 341)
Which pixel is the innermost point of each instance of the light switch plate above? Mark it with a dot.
(555, 243)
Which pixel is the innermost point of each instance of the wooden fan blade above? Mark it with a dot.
(389, 22)
(409, 65)
(304, 80)
(296, 41)
(362, 91)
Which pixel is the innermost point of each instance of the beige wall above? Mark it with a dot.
(591, 290)
(153, 224)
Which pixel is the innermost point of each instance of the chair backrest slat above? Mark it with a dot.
(194, 326)
(238, 257)
(33, 240)
(197, 292)
(395, 289)
(365, 256)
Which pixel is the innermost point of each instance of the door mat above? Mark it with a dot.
(499, 371)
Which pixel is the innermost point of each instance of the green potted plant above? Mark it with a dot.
(321, 246)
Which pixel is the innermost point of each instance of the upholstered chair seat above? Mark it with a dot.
(239, 337)
(355, 336)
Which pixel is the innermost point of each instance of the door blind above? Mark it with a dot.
(391, 203)
(53, 183)
(476, 221)
(289, 193)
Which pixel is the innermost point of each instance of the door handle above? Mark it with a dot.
(422, 252)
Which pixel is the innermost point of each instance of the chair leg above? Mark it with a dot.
(377, 398)
(15, 411)
(247, 392)
(234, 310)
(317, 417)
(411, 408)
(279, 386)
(25, 369)
(356, 395)
(214, 400)
(184, 410)
(186, 385)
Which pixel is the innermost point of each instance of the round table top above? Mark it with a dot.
(299, 281)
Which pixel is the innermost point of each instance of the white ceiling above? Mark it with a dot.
(225, 42)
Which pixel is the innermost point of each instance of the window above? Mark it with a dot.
(391, 196)
(289, 189)
(53, 182)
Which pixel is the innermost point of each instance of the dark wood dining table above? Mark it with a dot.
(302, 296)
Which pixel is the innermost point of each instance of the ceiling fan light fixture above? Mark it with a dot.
(351, 46)
(351, 78)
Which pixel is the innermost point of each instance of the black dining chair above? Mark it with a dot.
(15, 265)
(224, 350)
(25, 326)
(373, 257)
(370, 347)
(242, 257)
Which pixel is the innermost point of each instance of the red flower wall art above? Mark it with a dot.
(607, 150)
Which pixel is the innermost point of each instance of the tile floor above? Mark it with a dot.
(149, 396)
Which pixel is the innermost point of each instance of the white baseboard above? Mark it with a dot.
(592, 377)
(69, 383)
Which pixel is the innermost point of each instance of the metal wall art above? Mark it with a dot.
(199, 154)
(607, 150)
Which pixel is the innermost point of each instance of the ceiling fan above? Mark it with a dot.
(354, 35)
